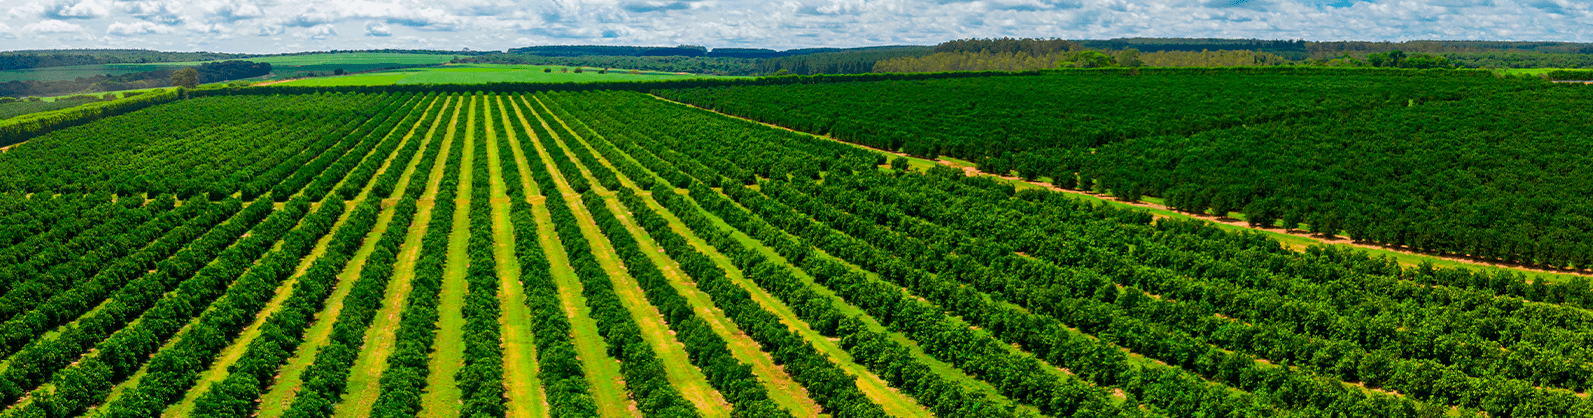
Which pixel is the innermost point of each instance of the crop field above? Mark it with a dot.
(491, 73)
(1459, 163)
(618, 254)
(281, 64)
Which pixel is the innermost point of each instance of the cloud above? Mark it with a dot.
(232, 11)
(67, 9)
(317, 32)
(165, 12)
(52, 26)
(648, 6)
(270, 30)
(377, 29)
(138, 28)
(420, 18)
(6, 32)
(779, 24)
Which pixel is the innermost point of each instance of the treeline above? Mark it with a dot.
(1328, 50)
(97, 83)
(1210, 58)
(1180, 52)
(1570, 75)
(604, 50)
(11, 107)
(1519, 60)
(840, 62)
(1024, 61)
(1011, 54)
(1031, 46)
(210, 72)
(721, 61)
(971, 61)
(1294, 50)
(674, 64)
(16, 60)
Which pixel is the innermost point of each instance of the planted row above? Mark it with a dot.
(481, 378)
(563, 380)
(404, 379)
(326, 379)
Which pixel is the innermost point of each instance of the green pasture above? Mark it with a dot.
(1531, 71)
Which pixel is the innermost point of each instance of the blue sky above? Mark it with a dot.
(268, 26)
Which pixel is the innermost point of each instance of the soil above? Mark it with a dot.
(267, 83)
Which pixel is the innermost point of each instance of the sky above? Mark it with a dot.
(272, 26)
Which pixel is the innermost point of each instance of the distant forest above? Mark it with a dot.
(1020, 54)
(992, 54)
(700, 60)
(18, 60)
(43, 58)
(210, 72)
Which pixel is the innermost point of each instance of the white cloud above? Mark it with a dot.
(6, 32)
(270, 30)
(166, 12)
(68, 9)
(52, 26)
(780, 24)
(231, 10)
(317, 32)
(377, 29)
(138, 28)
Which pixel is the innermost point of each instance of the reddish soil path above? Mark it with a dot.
(1461, 258)
(267, 83)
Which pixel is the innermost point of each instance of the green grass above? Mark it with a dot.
(1530, 71)
(684, 376)
(373, 79)
(276, 401)
(522, 387)
(239, 346)
(782, 389)
(289, 66)
(361, 58)
(448, 350)
(602, 371)
(895, 403)
(379, 340)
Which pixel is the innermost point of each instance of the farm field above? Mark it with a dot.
(490, 73)
(618, 254)
(1456, 163)
(283, 65)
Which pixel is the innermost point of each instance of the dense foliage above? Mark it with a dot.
(287, 255)
(210, 72)
(12, 60)
(1452, 162)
